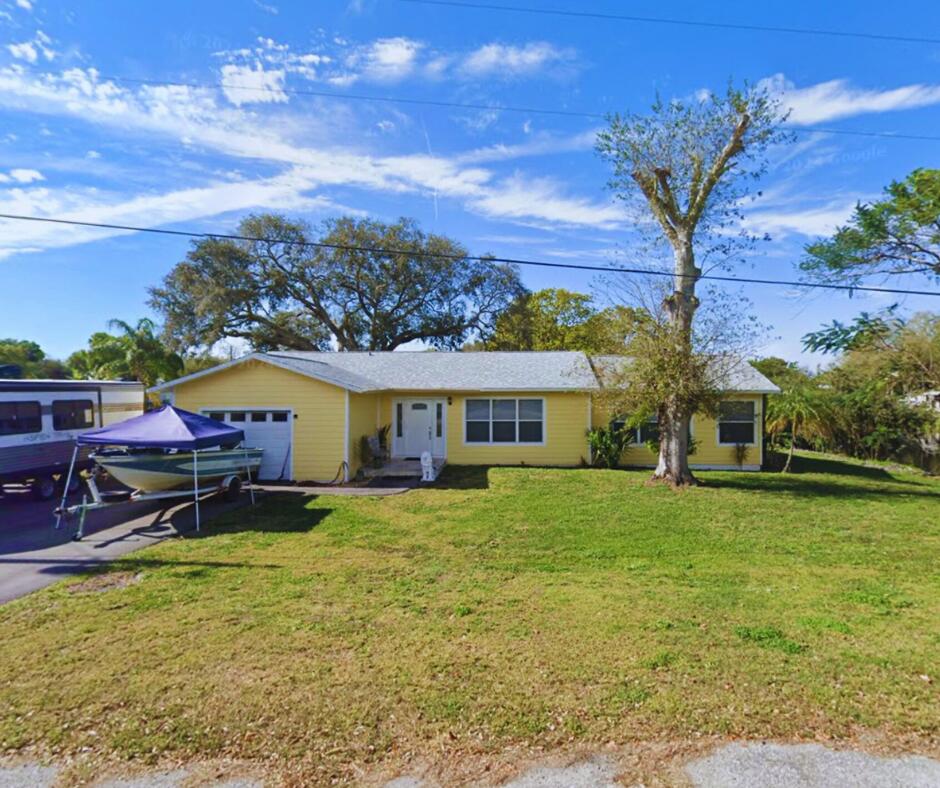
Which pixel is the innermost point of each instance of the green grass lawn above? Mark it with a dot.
(507, 606)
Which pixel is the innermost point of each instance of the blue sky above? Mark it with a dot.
(77, 143)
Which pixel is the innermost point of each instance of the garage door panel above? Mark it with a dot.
(264, 429)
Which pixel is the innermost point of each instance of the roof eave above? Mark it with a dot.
(272, 360)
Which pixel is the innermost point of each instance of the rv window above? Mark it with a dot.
(72, 414)
(17, 418)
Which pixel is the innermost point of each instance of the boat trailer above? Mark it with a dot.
(230, 486)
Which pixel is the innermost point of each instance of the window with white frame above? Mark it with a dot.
(639, 436)
(505, 421)
(737, 422)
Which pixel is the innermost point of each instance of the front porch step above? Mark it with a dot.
(402, 469)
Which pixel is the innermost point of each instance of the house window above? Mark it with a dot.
(259, 416)
(505, 421)
(736, 422)
(398, 414)
(72, 414)
(238, 415)
(17, 418)
(439, 418)
(640, 436)
(216, 416)
(279, 416)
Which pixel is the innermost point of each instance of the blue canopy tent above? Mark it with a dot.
(165, 428)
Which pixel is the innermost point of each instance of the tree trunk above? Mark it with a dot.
(680, 309)
(786, 466)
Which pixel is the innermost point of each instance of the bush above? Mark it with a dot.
(607, 445)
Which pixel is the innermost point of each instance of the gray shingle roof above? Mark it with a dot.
(731, 375)
(451, 371)
(439, 371)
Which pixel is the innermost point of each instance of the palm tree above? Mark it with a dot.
(145, 355)
(796, 409)
(136, 353)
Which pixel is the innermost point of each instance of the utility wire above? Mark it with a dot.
(454, 256)
(467, 105)
(803, 31)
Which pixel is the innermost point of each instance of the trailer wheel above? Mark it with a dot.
(233, 489)
(43, 488)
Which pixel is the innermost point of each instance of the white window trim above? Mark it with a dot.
(753, 422)
(506, 443)
(636, 432)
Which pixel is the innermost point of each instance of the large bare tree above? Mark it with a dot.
(686, 169)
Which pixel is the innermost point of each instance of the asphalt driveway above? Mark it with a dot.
(33, 554)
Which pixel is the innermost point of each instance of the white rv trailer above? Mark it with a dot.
(40, 419)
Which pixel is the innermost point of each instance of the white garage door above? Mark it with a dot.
(264, 429)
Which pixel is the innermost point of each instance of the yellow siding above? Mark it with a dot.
(319, 410)
(363, 420)
(566, 425)
(705, 432)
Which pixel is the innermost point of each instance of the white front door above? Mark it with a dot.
(419, 427)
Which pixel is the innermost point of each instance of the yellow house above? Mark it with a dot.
(310, 411)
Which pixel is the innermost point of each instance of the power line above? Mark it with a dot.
(806, 31)
(452, 256)
(468, 105)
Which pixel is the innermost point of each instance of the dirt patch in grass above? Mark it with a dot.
(104, 581)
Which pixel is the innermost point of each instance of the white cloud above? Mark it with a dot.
(269, 52)
(516, 196)
(393, 59)
(807, 222)
(21, 176)
(541, 145)
(268, 8)
(838, 99)
(30, 50)
(386, 59)
(92, 154)
(25, 51)
(504, 60)
(26, 5)
(247, 85)
(283, 192)
(26, 176)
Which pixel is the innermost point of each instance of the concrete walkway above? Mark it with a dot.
(379, 488)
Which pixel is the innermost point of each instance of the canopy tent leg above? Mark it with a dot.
(196, 486)
(65, 489)
(251, 489)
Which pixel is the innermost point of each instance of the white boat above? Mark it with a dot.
(156, 471)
